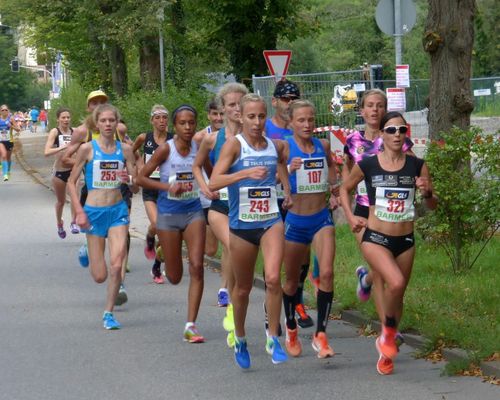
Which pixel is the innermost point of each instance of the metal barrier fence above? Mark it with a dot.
(319, 89)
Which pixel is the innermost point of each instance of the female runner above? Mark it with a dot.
(388, 244)
(180, 216)
(247, 166)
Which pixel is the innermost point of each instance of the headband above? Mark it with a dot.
(183, 107)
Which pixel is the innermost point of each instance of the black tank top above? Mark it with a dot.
(57, 142)
(150, 145)
(392, 192)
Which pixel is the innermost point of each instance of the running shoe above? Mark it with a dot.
(122, 297)
(362, 291)
(83, 256)
(230, 338)
(292, 342)
(386, 343)
(5, 178)
(61, 232)
(223, 297)
(109, 321)
(274, 349)
(228, 321)
(156, 274)
(75, 229)
(304, 320)
(385, 366)
(192, 335)
(149, 249)
(241, 354)
(321, 346)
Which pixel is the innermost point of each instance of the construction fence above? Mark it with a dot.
(319, 88)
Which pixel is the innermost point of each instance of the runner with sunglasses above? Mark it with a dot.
(359, 146)
(392, 179)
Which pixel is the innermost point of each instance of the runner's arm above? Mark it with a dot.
(50, 150)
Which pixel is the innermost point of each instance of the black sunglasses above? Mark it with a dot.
(391, 130)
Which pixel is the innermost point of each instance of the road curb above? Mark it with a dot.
(490, 368)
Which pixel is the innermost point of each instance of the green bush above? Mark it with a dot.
(135, 108)
(465, 171)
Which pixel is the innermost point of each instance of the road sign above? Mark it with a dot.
(278, 61)
(403, 76)
(385, 16)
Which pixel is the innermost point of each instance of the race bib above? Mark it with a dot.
(394, 204)
(188, 182)
(312, 176)
(361, 189)
(156, 173)
(64, 140)
(258, 204)
(105, 174)
(224, 194)
(4, 136)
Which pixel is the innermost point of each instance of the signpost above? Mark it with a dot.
(278, 61)
(396, 18)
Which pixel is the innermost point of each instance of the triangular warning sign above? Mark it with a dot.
(278, 61)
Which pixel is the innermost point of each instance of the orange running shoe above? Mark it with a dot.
(304, 320)
(320, 344)
(386, 343)
(385, 366)
(292, 342)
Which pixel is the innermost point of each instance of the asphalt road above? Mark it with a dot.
(53, 346)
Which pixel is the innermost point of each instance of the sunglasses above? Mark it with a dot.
(288, 99)
(4, 109)
(391, 130)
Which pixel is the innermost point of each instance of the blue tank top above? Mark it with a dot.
(312, 176)
(275, 132)
(5, 130)
(102, 171)
(253, 203)
(179, 169)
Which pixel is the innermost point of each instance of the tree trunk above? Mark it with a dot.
(449, 39)
(149, 62)
(118, 69)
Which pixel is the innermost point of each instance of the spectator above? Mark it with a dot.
(43, 120)
(34, 113)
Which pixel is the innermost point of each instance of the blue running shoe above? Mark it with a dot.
(109, 321)
(223, 298)
(241, 354)
(83, 256)
(274, 349)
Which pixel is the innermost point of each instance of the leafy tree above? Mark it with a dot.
(14, 84)
(247, 27)
(465, 169)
